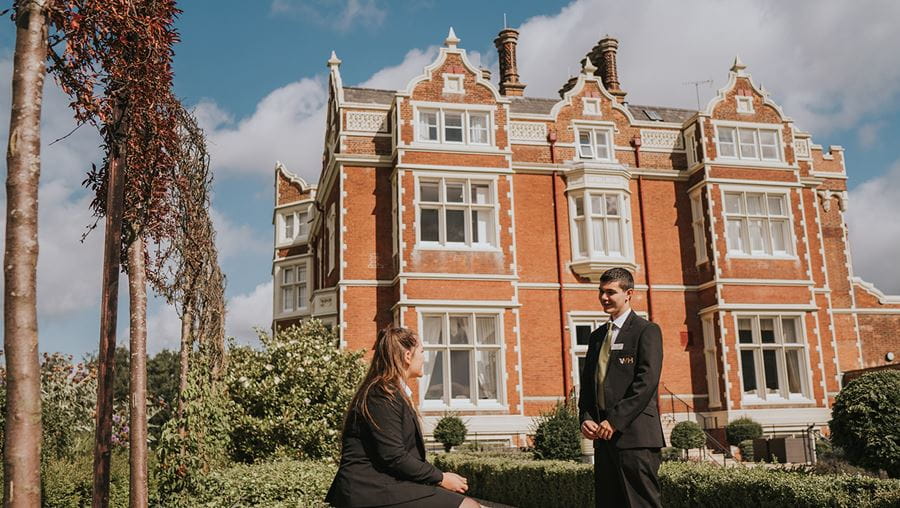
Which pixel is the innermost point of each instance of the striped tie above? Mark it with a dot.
(603, 362)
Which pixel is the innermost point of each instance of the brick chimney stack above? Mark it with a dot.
(509, 72)
(603, 56)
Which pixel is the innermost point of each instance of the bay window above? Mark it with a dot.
(773, 358)
(462, 359)
(456, 212)
(758, 224)
(600, 224)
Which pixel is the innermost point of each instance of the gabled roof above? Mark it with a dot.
(368, 95)
(676, 115)
(531, 105)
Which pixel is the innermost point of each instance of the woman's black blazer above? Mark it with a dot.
(383, 464)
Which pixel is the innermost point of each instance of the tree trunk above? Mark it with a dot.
(108, 314)
(22, 443)
(187, 319)
(137, 442)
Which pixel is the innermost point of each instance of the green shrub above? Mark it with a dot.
(557, 435)
(746, 448)
(291, 396)
(742, 429)
(268, 484)
(865, 420)
(671, 453)
(687, 435)
(450, 431)
(66, 482)
(528, 484)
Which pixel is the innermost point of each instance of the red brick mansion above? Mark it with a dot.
(482, 218)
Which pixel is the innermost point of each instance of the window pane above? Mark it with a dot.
(459, 375)
(485, 329)
(483, 226)
(748, 371)
(754, 204)
(478, 128)
(776, 205)
(301, 274)
(602, 144)
(767, 330)
(455, 193)
(301, 296)
(779, 235)
(748, 143)
(579, 206)
(726, 142)
(429, 191)
(598, 205)
(287, 299)
(456, 226)
(745, 331)
(487, 374)
(289, 226)
(735, 235)
(434, 375)
(581, 234)
(481, 194)
(793, 371)
(433, 332)
(770, 366)
(582, 335)
(734, 203)
(599, 236)
(459, 330)
(288, 276)
(429, 225)
(585, 145)
(613, 231)
(302, 223)
(770, 153)
(612, 204)
(768, 141)
(757, 244)
(453, 131)
(428, 125)
(789, 330)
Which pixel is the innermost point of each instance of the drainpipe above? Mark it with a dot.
(551, 137)
(636, 143)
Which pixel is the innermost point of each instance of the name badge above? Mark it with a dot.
(614, 346)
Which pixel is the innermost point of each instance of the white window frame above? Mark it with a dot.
(757, 348)
(593, 132)
(755, 131)
(744, 104)
(591, 106)
(711, 357)
(299, 216)
(745, 249)
(588, 217)
(698, 225)
(472, 403)
(690, 146)
(295, 268)
(442, 205)
(467, 113)
(331, 230)
(594, 321)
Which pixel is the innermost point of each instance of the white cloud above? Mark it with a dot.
(789, 46)
(237, 239)
(163, 327)
(248, 311)
(342, 14)
(875, 231)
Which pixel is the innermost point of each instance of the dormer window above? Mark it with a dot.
(744, 104)
(595, 144)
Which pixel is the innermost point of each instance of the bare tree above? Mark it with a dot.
(22, 444)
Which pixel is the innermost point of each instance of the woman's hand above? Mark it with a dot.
(454, 483)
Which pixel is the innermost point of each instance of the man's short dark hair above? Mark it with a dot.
(620, 275)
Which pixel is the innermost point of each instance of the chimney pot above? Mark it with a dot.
(603, 57)
(509, 73)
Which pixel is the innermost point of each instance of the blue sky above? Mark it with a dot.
(255, 74)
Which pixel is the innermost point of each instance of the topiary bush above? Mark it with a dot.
(450, 431)
(742, 429)
(865, 421)
(746, 448)
(687, 435)
(557, 435)
(671, 453)
(291, 396)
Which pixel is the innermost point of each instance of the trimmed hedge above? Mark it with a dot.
(528, 484)
(284, 483)
(686, 435)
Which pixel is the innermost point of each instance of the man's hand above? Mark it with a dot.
(589, 429)
(605, 430)
(454, 483)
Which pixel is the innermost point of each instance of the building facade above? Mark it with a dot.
(483, 218)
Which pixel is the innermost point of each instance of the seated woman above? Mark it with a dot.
(383, 451)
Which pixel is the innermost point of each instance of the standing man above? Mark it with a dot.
(617, 403)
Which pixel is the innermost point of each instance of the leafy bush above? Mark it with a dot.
(291, 396)
(687, 435)
(557, 435)
(450, 431)
(864, 421)
(671, 453)
(66, 482)
(742, 429)
(684, 484)
(270, 484)
(746, 448)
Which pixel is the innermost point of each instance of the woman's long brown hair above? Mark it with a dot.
(387, 369)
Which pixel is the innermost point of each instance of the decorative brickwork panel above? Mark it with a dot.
(801, 147)
(528, 131)
(661, 139)
(367, 121)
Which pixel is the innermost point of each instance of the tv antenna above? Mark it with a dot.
(697, 84)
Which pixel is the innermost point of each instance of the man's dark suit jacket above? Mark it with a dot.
(383, 464)
(631, 385)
